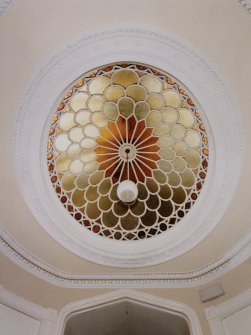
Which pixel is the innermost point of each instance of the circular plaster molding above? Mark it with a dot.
(219, 113)
(246, 4)
(3, 5)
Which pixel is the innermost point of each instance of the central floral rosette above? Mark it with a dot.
(127, 150)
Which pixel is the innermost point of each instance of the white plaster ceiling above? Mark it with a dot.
(30, 32)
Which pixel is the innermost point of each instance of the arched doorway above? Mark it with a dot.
(127, 312)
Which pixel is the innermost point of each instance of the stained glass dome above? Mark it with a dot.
(127, 121)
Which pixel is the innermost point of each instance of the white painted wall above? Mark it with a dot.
(239, 322)
(13, 322)
(232, 317)
(23, 317)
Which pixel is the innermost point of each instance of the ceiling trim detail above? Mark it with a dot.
(3, 6)
(246, 4)
(20, 256)
(163, 51)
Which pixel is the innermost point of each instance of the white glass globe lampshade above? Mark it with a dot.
(127, 191)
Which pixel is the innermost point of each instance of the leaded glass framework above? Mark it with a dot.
(127, 121)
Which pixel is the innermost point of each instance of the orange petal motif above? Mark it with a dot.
(127, 132)
(152, 148)
(149, 141)
(108, 163)
(107, 134)
(139, 129)
(114, 130)
(146, 133)
(103, 142)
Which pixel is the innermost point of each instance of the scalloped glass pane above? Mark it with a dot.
(93, 211)
(83, 118)
(179, 164)
(155, 101)
(91, 194)
(105, 204)
(129, 222)
(151, 83)
(168, 154)
(114, 93)
(172, 98)
(78, 198)
(88, 156)
(67, 121)
(82, 181)
(125, 78)
(181, 148)
(91, 131)
(76, 166)
(76, 134)
(188, 178)
(68, 181)
(100, 120)
(109, 219)
(137, 93)
(98, 85)
(186, 117)
(193, 159)
(153, 118)
(169, 115)
(178, 131)
(126, 106)
(166, 141)
(90, 167)
(62, 142)
(174, 179)
(88, 143)
(110, 110)
(141, 110)
(161, 129)
(78, 101)
(192, 138)
(73, 151)
(165, 166)
(95, 102)
(62, 163)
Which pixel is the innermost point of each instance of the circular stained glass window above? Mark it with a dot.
(127, 121)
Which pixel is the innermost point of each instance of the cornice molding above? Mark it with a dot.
(22, 305)
(164, 51)
(3, 6)
(246, 4)
(14, 251)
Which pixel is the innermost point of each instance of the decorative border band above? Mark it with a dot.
(246, 4)
(3, 6)
(238, 254)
